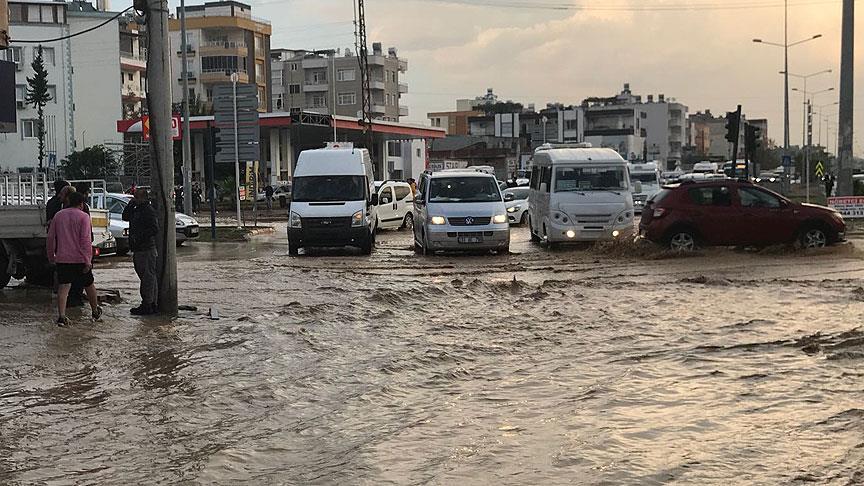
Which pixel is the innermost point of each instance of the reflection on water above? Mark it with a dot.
(537, 368)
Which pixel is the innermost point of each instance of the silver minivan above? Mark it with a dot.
(460, 211)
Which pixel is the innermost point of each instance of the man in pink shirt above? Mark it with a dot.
(70, 247)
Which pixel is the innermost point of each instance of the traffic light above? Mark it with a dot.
(752, 134)
(732, 126)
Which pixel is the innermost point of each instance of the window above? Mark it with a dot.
(48, 56)
(394, 149)
(190, 65)
(386, 192)
(52, 92)
(29, 128)
(131, 77)
(14, 55)
(571, 124)
(276, 77)
(418, 153)
(579, 179)
(402, 192)
(16, 12)
(710, 196)
(535, 178)
(259, 71)
(223, 63)
(347, 99)
(48, 14)
(116, 206)
(464, 189)
(209, 93)
(345, 75)
(262, 98)
(20, 92)
(546, 177)
(318, 77)
(190, 39)
(191, 94)
(387, 99)
(293, 66)
(319, 101)
(754, 198)
(278, 101)
(293, 88)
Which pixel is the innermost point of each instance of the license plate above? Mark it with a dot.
(470, 239)
(194, 231)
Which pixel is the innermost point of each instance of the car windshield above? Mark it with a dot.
(329, 188)
(518, 194)
(579, 179)
(644, 178)
(464, 189)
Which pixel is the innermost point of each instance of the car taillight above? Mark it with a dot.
(659, 212)
(96, 252)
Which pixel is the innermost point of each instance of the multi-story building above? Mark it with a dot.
(328, 82)
(38, 19)
(707, 136)
(454, 122)
(133, 67)
(96, 60)
(222, 38)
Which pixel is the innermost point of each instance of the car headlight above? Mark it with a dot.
(513, 209)
(294, 221)
(499, 218)
(438, 220)
(357, 220)
(560, 217)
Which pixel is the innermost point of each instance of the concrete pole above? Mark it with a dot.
(187, 134)
(234, 79)
(785, 77)
(847, 77)
(161, 150)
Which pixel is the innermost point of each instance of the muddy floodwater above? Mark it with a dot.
(581, 366)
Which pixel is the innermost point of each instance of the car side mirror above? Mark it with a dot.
(374, 199)
(418, 199)
(509, 197)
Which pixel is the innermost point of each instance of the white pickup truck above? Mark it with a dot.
(23, 229)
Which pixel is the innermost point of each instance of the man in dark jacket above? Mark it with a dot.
(143, 229)
(55, 204)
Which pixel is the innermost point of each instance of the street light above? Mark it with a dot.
(786, 45)
(820, 116)
(807, 104)
(805, 77)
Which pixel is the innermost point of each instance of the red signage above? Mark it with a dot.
(175, 127)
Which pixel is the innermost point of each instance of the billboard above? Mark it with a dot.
(8, 121)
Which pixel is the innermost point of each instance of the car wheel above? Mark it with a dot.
(369, 244)
(293, 248)
(682, 241)
(408, 222)
(813, 237)
(534, 237)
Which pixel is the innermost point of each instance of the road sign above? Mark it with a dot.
(820, 169)
(247, 130)
(175, 127)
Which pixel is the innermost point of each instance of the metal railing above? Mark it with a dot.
(224, 44)
(23, 189)
(225, 71)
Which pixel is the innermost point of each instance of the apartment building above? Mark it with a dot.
(222, 38)
(707, 135)
(36, 19)
(328, 82)
(133, 67)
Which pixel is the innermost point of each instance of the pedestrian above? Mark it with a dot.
(84, 189)
(413, 184)
(131, 190)
(268, 195)
(69, 246)
(829, 185)
(76, 293)
(196, 197)
(178, 199)
(55, 204)
(143, 228)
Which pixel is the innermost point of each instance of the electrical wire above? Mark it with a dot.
(76, 34)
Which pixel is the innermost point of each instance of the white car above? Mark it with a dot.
(395, 205)
(516, 200)
(187, 227)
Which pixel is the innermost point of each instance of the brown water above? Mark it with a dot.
(590, 368)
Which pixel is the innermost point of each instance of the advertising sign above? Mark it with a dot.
(851, 207)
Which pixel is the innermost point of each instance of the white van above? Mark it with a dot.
(395, 205)
(579, 193)
(333, 200)
(644, 183)
(706, 167)
(460, 211)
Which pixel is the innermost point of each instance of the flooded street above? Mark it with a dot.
(578, 366)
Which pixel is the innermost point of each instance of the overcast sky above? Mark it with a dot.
(689, 50)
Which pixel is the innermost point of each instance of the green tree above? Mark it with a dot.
(38, 97)
(94, 162)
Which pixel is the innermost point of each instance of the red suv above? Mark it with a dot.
(735, 213)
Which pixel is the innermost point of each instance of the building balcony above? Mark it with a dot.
(315, 63)
(379, 109)
(375, 84)
(190, 76)
(219, 48)
(403, 65)
(403, 88)
(403, 110)
(609, 132)
(222, 76)
(377, 60)
(320, 87)
(135, 62)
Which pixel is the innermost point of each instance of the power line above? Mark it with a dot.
(683, 7)
(76, 34)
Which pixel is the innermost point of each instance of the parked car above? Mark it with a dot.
(281, 194)
(460, 211)
(395, 205)
(735, 213)
(516, 201)
(187, 228)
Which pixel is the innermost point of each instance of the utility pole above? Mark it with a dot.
(365, 81)
(187, 134)
(847, 89)
(234, 79)
(161, 147)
